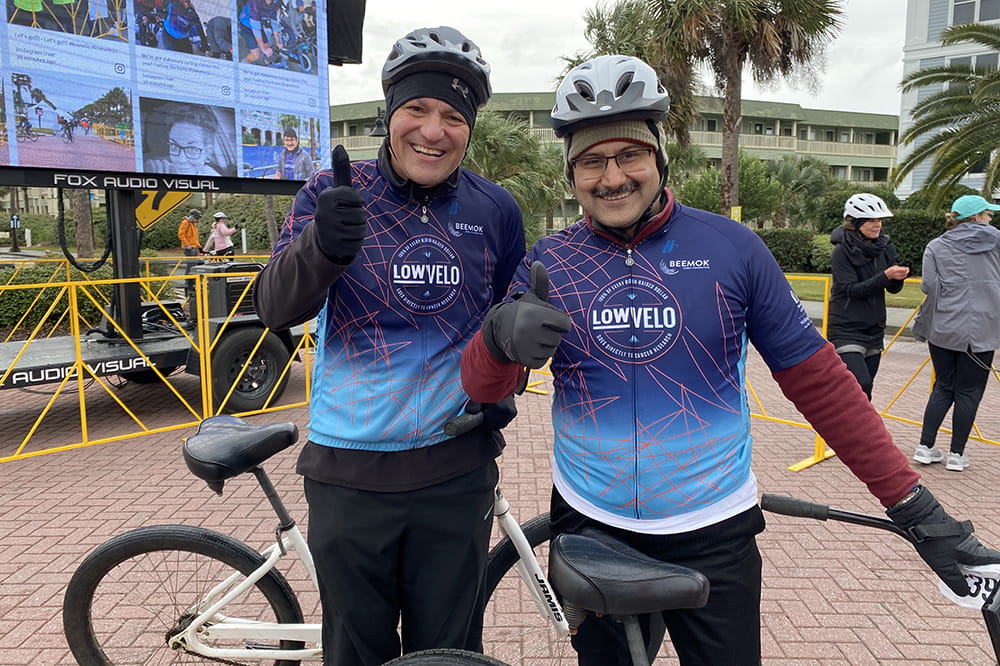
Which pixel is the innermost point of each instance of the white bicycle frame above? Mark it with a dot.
(211, 622)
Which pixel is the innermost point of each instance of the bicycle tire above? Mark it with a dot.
(153, 567)
(445, 657)
(514, 630)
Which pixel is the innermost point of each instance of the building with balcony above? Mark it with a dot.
(858, 147)
(925, 21)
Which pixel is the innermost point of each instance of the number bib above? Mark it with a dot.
(983, 580)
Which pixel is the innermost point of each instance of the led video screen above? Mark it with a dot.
(211, 88)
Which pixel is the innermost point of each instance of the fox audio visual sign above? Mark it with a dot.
(198, 90)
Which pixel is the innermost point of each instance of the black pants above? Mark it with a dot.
(864, 367)
(960, 380)
(726, 632)
(418, 557)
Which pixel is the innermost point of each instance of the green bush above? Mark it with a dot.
(791, 247)
(14, 303)
(819, 258)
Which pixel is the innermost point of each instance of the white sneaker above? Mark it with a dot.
(927, 455)
(957, 462)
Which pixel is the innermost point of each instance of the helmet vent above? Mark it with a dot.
(623, 84)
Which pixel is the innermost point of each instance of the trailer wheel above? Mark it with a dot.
(261, 376)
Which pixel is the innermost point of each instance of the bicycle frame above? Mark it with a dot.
(211, 624)
(529, 569)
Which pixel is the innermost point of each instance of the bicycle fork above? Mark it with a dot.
(529, 569)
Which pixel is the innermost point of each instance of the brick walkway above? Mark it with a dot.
(834, 594)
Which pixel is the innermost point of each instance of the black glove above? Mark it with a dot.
(496, 415)
(341, 220)
(941, 541)
(526, 331)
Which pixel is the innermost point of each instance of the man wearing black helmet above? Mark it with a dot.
(645, 307)
(401, 257)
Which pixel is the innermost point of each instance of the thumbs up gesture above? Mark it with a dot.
(527, 330)
(341, 220)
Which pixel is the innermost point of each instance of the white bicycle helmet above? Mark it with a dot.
(438, 49)
(866, 206)
(220, 215)
(611, 86)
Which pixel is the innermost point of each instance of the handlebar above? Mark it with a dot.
(989, 598)
(790, 506)
(463, 423)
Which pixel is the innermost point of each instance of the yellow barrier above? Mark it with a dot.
(69, 344)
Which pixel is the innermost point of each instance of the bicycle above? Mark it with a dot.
(164, 593)
(25, 132)
(570, 572)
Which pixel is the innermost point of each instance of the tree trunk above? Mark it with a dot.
(731, 118)
(209, 198)
(79, 201)
(272, 228)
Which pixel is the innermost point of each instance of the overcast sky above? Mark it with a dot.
(524, 39)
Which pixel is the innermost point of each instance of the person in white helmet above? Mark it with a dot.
(646, 308)
(864, 266)
(220, 242)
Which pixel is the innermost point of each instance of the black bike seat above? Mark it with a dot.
(599, 573)
(226, 446)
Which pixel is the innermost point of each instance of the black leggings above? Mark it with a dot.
(960, 379)
(864, 368)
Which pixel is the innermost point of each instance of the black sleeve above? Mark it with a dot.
(294, 285)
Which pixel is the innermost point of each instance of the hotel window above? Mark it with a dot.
(964, 11)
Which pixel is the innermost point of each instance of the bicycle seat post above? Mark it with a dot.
(285, 520)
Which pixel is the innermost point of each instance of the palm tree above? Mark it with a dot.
(959, 127)
(627, 29)
(772, 37)
(505, 151)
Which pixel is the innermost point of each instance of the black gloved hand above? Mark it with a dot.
(941, 541)
(526, 331)
(496, 415)
(341, 220)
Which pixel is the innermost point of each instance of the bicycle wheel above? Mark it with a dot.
(514, 630)
(134, 592)
(443, 657)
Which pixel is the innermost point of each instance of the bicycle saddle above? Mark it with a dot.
(226, 446)
(601, 574)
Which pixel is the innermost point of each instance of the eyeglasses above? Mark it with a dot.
(593, 166)
(190, 152)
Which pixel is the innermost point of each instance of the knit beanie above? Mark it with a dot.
(438, 85)
(584, 139)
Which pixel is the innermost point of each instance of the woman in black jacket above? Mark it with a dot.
(864, 266)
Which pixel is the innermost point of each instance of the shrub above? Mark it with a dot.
(14, 303)
(791, 247)
(819, 257)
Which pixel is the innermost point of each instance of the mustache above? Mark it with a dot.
(628, 187)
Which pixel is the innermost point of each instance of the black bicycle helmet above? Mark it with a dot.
(194, 213)
(608, 87)
(441, 49)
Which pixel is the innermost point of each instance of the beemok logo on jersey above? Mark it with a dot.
(458, 229)
(634, 319)
(425, 274)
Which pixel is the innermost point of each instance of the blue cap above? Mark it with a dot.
(971, 204)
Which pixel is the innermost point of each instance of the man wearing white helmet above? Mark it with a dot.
(401, 257)
(645, 307)
(864, 266)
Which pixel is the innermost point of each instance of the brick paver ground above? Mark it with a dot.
(833, 594)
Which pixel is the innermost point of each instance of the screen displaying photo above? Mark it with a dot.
(231, 88)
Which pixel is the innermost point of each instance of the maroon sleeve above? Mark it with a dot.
(484, 378)
(828, 395)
